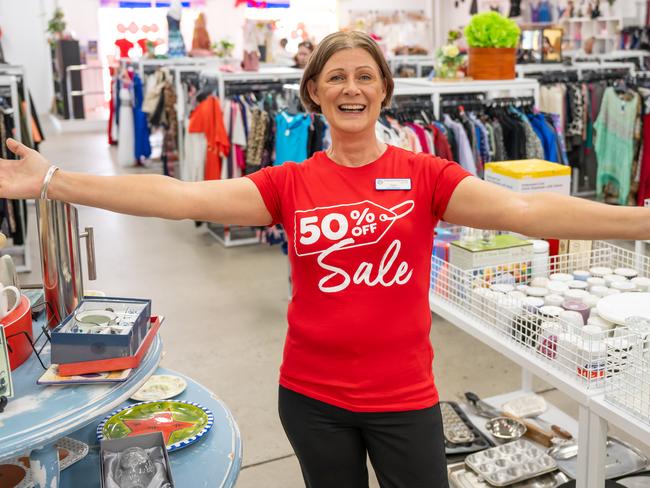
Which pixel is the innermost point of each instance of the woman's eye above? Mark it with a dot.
(336, 78)
(365, 77)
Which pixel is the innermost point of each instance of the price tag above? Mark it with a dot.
(646, 202)
(6, 386)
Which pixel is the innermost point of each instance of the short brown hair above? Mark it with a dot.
(332, 44)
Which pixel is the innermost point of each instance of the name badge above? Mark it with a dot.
(393, 184)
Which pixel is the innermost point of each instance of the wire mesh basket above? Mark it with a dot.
(495, 296)
(627, 382)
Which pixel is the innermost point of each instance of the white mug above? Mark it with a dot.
(8, 274)
(7, 306)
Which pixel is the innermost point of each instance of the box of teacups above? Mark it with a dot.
(101, 328)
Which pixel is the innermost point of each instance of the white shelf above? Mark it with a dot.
(620, 418)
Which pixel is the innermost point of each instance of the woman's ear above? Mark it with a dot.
(313, 92)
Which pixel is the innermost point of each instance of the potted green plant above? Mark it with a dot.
(492, 41)
(56, 25)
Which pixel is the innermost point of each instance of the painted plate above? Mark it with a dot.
(160, 387)
(181, 423)
(616, 308)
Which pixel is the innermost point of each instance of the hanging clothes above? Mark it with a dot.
(615, 129)
(141, 126)
(207, 118)
(126, 129)
(291, 137)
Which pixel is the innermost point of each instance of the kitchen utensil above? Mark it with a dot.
(533, 432)
(58, 228)
(462, 477)
(512, 462)
(8, 275)
(616, 308)
(480, 441)
(505, 428)
(621, 459)
(7, 304)
(526, 406)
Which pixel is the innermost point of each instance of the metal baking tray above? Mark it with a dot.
(461, 477)
(479, 443)
(512, 462)
(622, 459)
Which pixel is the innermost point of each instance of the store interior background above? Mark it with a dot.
(225, 308)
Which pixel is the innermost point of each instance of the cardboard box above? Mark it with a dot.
(507, 249)
(144, 441)
(530, 176)
(70, 347)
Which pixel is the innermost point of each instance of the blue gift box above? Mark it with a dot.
(73, 347)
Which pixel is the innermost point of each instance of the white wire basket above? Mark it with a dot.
(580, 354)
(627, 383)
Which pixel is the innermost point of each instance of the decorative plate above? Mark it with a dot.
(616, 308)
(160, 387)
(70, 451)
(14, 474)
(181, 423)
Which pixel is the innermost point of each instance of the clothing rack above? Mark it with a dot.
(266, 74)
(11, 82)
(491, 88)
(225, 84)
(577, 72)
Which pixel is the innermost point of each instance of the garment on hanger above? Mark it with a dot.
(124, 46)
(126, 129)
(615, 128)
(291, 137)
(141, 127)
(176, 46)
(207, 118)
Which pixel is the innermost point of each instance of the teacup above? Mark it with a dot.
(8, 305)
(8, 274)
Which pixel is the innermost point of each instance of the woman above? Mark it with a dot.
(305, 48)
(356, 377)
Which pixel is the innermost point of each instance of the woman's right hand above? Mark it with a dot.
(22, 178)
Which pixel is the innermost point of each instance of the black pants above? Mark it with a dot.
(406, 449)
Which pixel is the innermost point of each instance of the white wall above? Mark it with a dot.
(24, 42)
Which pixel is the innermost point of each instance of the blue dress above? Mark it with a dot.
(142, 144)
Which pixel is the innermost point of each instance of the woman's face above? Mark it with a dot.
(302, 56)
(350, 90)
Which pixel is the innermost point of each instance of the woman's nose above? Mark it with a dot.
(351, 87)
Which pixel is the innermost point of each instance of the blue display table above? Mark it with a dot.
(215, 460)
(38, 416)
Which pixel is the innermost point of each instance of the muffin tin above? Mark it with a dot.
(469, 438)
(460, 476)
(509, 463)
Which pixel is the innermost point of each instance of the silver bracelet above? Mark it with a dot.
(46, 181)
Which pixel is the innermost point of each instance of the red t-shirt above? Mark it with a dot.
(360, 255)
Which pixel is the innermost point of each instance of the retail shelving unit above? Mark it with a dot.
(228, 235)
(604, 30)
(10, 81)
(594, 412)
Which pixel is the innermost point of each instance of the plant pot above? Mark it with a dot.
(492, 63)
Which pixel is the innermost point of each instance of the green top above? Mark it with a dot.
(615, 142)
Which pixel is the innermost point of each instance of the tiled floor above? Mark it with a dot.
(225, 315)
